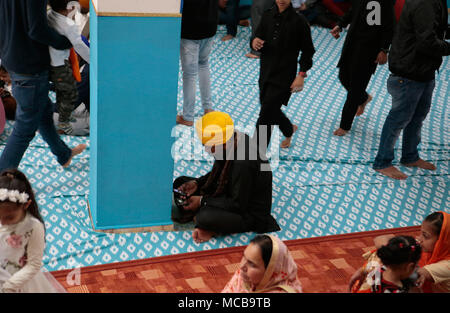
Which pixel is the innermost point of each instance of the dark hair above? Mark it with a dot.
(13, 179)
(58, 5)
(265, 243)
(222, 173)
(400, 250)
(435, 219)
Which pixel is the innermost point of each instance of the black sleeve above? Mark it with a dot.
(262, 27)
(202, 180)
(37, 27)
(428, 42)
(387, 24)
(261, 30)
(306, 46)
(242, 182)
(346, 19)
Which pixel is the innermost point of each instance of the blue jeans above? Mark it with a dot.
(34, 112)
(411, 102)
(194, 56)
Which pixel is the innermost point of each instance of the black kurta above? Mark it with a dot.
(285, 35)
(364, 41)
(361, 48)
(246, 202)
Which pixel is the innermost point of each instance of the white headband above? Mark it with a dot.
(13, 195)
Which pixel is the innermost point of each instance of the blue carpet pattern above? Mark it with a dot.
(322, 185)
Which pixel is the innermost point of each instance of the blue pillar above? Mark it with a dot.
(134, 77)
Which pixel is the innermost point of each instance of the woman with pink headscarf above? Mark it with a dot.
(267, 266)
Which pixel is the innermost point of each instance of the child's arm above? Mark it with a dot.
(35, 252)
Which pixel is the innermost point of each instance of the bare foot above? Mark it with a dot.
(422, 164)
(363, 106)
(227, 37)
(252, 56)
(340, 132)
(286, 143)
(393, 172)
(77, 150)
(182, 121)
(200, 235)
(208, 111)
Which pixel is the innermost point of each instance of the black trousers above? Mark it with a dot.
(215, 219)
(355, 77)
(272, 98)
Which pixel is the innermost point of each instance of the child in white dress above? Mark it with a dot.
(22, 238)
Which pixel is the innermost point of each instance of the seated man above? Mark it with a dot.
(236, 196)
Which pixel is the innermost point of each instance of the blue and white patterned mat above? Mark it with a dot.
(323, 185)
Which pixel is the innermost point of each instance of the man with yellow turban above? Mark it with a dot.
(236, 196)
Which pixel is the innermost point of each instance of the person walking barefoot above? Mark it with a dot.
(365, 47)
(281, 35)
(412, 82)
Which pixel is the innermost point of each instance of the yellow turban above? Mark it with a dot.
(214, 128)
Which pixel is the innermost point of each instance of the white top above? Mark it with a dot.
(21, 250)
(66, 27)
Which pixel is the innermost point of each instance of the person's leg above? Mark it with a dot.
(357, 95)
(412, 132)
(47, 129)
(204, 73)
(232, 18)
(189, 51)
(49, 134)
(31, 93)
(272, 98)
(220, 221)
(405, 97)
(25, 89)
(66, 95)
(263, 129)
(344, 78)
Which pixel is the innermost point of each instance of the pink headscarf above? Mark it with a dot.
(280, 275)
